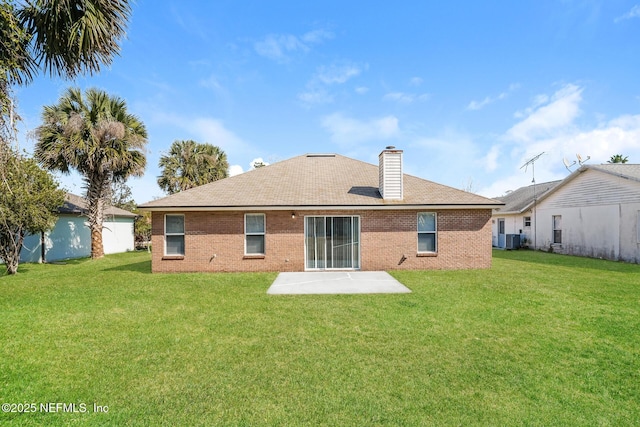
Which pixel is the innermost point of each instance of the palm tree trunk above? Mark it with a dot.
(97, 248)
(96, 202)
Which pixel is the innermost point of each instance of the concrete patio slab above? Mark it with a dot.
(336, 282)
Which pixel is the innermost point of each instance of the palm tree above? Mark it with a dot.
(618, 158)
(64, 37)
(190, 164)
(96, 136)
(61, 37)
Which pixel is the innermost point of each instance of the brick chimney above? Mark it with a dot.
(390, 174)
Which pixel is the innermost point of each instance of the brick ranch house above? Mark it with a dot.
(321, 212)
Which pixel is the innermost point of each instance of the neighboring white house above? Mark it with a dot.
(517, 216)
(71, 237)
(594, 212)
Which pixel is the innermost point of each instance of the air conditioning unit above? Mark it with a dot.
(513, 241)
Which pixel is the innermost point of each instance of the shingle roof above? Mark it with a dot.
(625, 170)
(313, 180)
(74, 204)
(520, 199)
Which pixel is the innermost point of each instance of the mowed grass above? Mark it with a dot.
(539, 339)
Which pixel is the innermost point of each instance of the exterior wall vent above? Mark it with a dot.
(390, 174)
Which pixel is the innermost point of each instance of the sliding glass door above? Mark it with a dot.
(332, 242)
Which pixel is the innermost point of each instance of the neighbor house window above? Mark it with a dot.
(427, 232)
(527, 221)
(254, 230)
(557, 229)
(174, 235)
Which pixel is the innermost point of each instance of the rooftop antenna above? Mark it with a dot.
(532, 162)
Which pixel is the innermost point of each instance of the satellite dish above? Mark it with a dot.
(580, 159)
(567, 164)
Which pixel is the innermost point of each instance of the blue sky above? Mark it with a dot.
(469, 90)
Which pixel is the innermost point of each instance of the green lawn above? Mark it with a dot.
(540, 339)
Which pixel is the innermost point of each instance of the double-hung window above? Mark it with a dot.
(254, 232)
(527, 222)
(427, 232)
(174, 235)
(557, 229)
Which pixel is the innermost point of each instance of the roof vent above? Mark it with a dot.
(390, 174)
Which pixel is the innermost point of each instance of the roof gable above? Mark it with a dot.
(314, 180)
(597, 185)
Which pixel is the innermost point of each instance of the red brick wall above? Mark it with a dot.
(214, 241)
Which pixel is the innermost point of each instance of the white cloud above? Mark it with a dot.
(279, 47)
(450, 157)
(557, 114)
(325, 76)
(551, 129)
(405, 98)
(317, 36)
(206, 129)
(212, 83)
(633, 13)
(214, 132)
(415, 81)
(348, 130)
(478, 105)
(538, 100)
(335, 73)
(361, 90)
(235, 170)
(315, 97)
(490, 161)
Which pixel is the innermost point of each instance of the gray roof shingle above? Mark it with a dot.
(520, 199)
(74, 204)
(314, 180)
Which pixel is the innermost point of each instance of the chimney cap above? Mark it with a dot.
(390, 147)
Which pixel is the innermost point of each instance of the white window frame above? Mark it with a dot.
(174, 234)
(263, 234)
(434, 232)
(554, 229)
(525, 220)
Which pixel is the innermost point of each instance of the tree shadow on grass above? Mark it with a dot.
(571, 261)
(137, 267)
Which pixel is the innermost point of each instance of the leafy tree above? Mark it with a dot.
(99, 138)
(190, 164)
(121, 197)
(142, 228)
(618, 158)
(29, 197)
